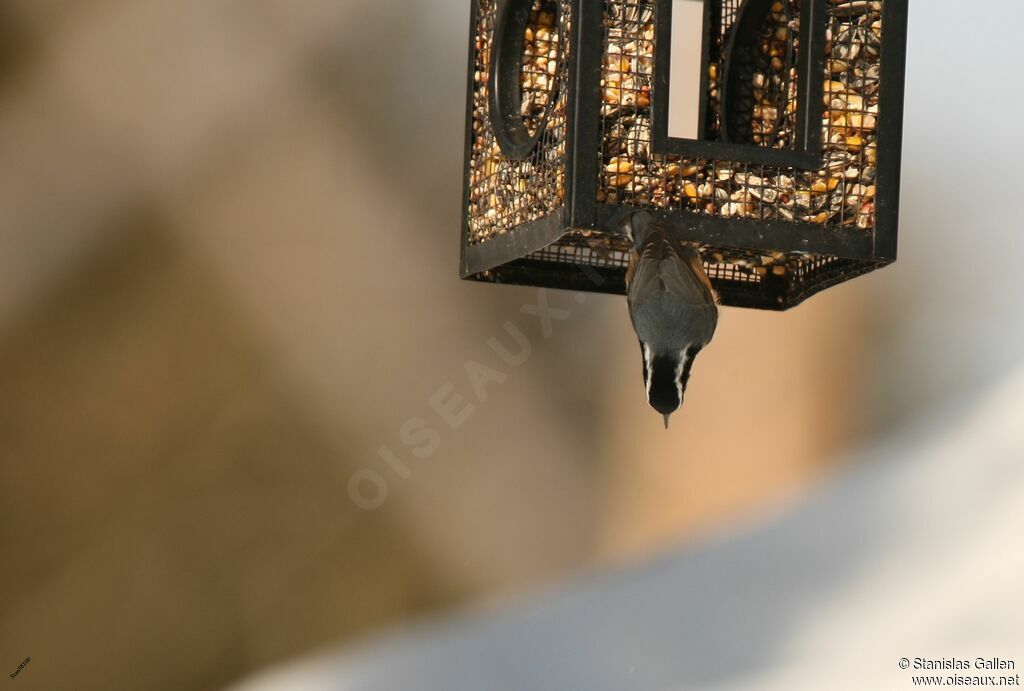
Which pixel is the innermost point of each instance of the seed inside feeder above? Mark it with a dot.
(618, 163)
(505, 194)
(850, 86)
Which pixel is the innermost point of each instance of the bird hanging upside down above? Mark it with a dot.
(672, 306)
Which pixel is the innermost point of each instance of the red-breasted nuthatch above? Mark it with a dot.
(672, 306)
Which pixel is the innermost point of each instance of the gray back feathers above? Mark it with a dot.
(671, 301)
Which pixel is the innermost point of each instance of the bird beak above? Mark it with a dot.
(666, 422)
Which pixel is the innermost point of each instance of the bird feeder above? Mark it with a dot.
(767, 131)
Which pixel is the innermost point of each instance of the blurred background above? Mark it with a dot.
(228, 282)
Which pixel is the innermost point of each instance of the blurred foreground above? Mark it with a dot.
(823, 597)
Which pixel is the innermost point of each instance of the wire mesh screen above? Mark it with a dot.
(505, 194)
(840, 192)
(595, 261)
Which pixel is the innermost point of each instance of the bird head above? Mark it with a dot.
(666, 376)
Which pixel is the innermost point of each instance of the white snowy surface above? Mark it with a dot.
(916, 553)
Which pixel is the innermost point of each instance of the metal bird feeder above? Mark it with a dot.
(767, 131)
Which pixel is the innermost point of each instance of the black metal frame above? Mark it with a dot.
(772, 293)
(504, 259)
(505, 96)
(811, 61)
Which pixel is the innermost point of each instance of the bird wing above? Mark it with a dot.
(643, 276)
(662, 260)
(659, 273)
(668, 276)
(690, 287)
(688, 253)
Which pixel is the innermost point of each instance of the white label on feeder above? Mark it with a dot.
(685, 70)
